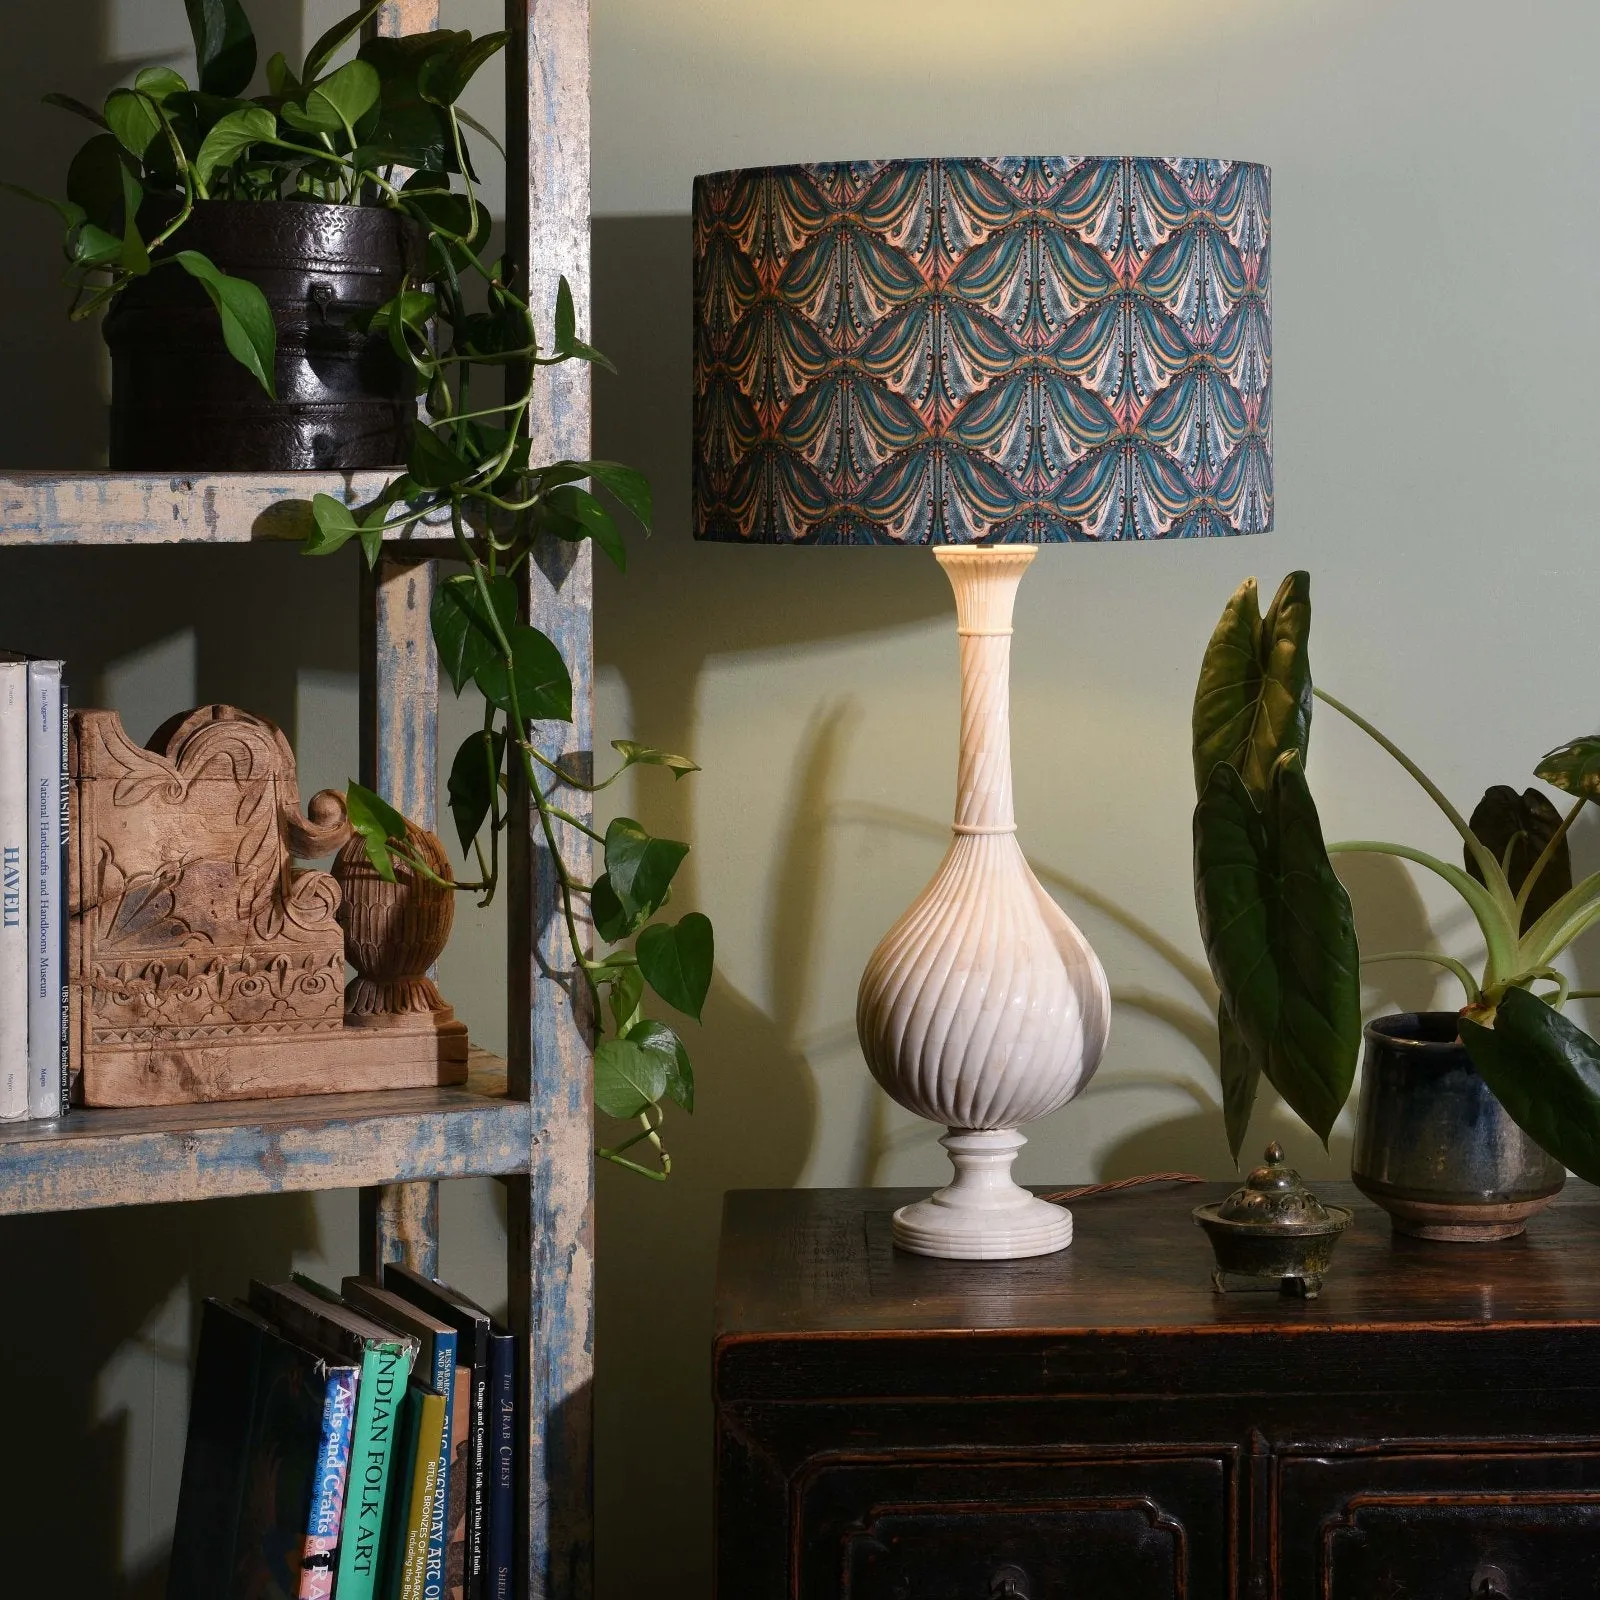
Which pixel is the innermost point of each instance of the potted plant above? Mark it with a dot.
(240, 246)
(1467, 1122)
(468, 353)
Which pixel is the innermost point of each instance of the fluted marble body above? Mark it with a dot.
(983, 1007)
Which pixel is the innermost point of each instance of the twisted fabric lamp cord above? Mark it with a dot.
(1082, 1192)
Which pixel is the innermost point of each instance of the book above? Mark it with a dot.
(500, 1536)
(436, 1367)
(329, 1484)
(267, 1445)
(407, 1557)
(47, 860)
(314, 1315)
(13, 888)
(466, 1549)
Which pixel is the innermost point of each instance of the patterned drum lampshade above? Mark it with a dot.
(983, 355)
(983, 351)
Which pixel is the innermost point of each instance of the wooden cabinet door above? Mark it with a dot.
(1041, 1529)
(1478, 1523)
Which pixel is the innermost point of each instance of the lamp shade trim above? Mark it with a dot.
(983, 351)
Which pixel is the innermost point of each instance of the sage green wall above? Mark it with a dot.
(1436, 227)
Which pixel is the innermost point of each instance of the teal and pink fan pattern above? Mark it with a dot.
(983, 351)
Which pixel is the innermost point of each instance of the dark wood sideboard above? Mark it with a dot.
(1100, 1425)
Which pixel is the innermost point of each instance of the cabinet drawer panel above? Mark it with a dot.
(1007, 1529)
(1523, 1524)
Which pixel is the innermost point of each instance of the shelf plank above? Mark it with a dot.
(147, 1155)
(103, 508)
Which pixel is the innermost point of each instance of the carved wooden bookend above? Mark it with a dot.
(205, 964)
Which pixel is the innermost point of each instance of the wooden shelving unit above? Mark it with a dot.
(528, 1119)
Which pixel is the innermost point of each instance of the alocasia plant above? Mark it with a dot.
(1277, 923)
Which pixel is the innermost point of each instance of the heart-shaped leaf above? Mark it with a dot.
(247, 326)
(132, 118)
(1280, 937)
(474, 777)
(231, 137)
(641, 868)
(613, 921)
(627, 990)
(1516, 828)
(334, 39)
(334, 525)
(630, 486)
(543, 684)
(1574, 767)
(627, 1078)
(379, 825)
(445, 74)
(1545, 1071)
(1253, 700)
(676, 961)
(634, 754)
(100, 183)
(657, 1036)
(224, 45)
(462, 630)
(346, 95)
(160, 83)
(572, 513)
(433, 464)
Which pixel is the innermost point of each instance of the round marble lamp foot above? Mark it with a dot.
(984, 1215)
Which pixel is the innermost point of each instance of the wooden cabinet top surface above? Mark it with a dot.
(819, 1264)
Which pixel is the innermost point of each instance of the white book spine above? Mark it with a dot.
(13, 889)
(46, 901)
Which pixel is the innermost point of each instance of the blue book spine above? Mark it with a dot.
(329, 1483)
(502, 1465)
(444, 1383)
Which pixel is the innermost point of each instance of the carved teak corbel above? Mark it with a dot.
(206, 965)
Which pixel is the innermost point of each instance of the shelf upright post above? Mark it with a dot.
(399, 759)
(551, 1055)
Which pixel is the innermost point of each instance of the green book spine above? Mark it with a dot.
(424, 1491)
(384, 1372)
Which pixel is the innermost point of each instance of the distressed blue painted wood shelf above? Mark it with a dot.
(151, 1154)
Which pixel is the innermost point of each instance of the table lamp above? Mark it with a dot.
(982, 355)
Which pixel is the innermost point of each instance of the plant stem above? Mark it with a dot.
(1468, 982)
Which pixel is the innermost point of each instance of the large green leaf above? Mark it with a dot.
(160, 83)
(1516, 828)
(100, 183)
(657, 1036)
(1574, 767)
(230, 137)
(1545, 1071)
(247, 327)
(445, 74)
(406, 121)
(330, 42)
(224, 45)
(543, 684)
(462, 630)
(640, 867)
(132, 118)
(676, 961)
(628, 1076)
(1253, 700)
(333, 526)
(1280, 938)
(1241, 1074)
(379, 825)
(572, 513)
(474, 775)
(344, 97)
(613, 921)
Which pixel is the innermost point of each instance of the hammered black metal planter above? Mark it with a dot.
(1433, 1146)
(179, 400)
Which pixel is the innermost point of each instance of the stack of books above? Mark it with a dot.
(356, 1445)
(33, 858)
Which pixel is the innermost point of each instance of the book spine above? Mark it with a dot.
(502, 1467)
(45, 903)
(433, 1422)
(328, 1485)
(478, 1497)
(444, 1381)
(383, 1383)
(13, 890)
(64, 917)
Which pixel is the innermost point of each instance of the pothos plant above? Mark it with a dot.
(385, 128)
(1277, 922)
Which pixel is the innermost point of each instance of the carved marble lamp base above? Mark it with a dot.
(984, 1215)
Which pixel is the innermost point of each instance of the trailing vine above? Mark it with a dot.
(385, 129)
